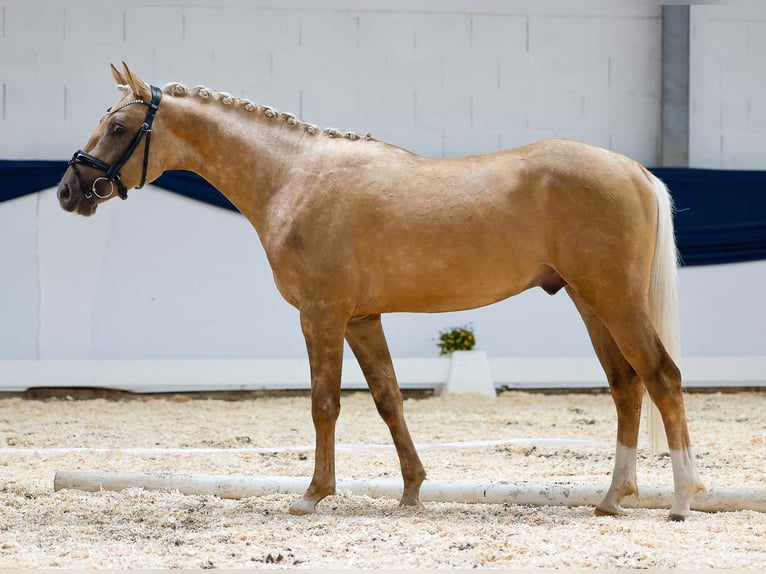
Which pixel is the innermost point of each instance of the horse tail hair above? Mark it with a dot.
(663, 298)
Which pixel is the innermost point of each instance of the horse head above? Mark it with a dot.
(107, 166)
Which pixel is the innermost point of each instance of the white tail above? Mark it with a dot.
(663, 301)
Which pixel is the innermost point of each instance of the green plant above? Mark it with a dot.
(456, 339)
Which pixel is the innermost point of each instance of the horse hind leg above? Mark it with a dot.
(664, 387)
(639, 343)
(366, 338)
(627, 393)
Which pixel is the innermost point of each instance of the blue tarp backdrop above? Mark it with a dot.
(720, 215)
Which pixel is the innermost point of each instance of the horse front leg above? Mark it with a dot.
(324, 340)
(366, 338)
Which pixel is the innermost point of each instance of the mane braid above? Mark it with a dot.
(206, 94)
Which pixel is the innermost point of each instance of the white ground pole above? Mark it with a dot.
(462, 491)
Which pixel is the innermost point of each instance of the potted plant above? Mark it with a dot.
(456, 339)
(469, 370)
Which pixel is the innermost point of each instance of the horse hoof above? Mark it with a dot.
(411, 502)
(301, 507)
(601, 512)
(676, 517)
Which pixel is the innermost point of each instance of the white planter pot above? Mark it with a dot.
(469, 372)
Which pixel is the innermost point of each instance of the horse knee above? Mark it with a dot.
(325, 409)
(389, 405)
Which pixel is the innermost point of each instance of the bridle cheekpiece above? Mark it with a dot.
(112, 172)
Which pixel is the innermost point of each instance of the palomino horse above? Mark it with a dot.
(354, 227)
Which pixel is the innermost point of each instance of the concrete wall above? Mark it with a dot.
(160, 276)
(727, 121)
(440, 78)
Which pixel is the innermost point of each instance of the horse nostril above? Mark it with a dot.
(64, 193)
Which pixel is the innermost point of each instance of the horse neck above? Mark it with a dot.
(244, 154)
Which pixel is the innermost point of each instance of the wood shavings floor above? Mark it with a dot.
(40, 528)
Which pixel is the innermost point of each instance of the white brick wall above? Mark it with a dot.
(728, 87)
(450, 77)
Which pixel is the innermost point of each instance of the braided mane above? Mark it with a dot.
(206, 94)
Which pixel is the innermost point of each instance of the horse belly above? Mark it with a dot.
(452, 280)
(468, 255)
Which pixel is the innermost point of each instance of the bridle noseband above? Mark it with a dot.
(112, 172)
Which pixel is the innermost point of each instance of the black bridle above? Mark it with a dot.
(112, 172)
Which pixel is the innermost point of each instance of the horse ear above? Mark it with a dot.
(118, 77)
(140, 88)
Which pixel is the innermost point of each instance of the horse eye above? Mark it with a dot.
(118, 129)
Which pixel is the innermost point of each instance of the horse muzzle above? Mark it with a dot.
(72, 198)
